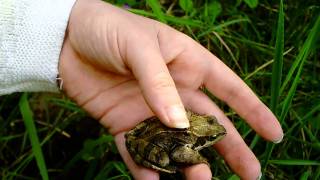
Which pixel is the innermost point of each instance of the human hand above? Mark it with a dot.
(123, 68)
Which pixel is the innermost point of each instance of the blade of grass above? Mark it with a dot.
(8, 138)
(294, 162)
(304, 118)
(261, 47)
(32, 132)
(290, 73)
(317, 173)
(229, 51)
(305, 175)
(67, 104)
(91, 170)
(169, 18)
(278, 62)
(263, 66)
(23, 163)
(314, 145)
(121, 176)
(307, 130)
(254, 141)
(109, 167)
(121, 168)
(8, 175)
(156, 8)
(223, 25)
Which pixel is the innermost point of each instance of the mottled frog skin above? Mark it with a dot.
(154, 145)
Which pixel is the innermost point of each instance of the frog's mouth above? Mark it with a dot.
(207, 141)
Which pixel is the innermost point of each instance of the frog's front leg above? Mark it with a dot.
(184, 154)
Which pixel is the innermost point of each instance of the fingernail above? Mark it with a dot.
(278, 140)
(259, 177)
(177, 116)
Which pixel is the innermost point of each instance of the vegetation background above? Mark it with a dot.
(272, 45)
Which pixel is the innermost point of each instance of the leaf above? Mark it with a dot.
(186, 5)
(251, 3)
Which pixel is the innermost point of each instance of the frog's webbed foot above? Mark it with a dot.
(184, 154)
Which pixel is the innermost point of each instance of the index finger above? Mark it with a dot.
(227, 86)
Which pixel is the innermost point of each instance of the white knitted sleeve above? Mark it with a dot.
(31, 37)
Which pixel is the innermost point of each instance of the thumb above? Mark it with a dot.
(158, 87)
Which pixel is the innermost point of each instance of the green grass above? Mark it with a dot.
(276, 52)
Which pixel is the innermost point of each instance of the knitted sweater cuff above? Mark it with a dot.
(31, 38)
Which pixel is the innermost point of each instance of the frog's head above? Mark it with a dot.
(207, 128)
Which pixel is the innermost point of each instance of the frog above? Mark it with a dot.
(154, 145)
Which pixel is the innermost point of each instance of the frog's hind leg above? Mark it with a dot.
(141, 161)
(167, 169)
(184, 154)
(142, 149)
